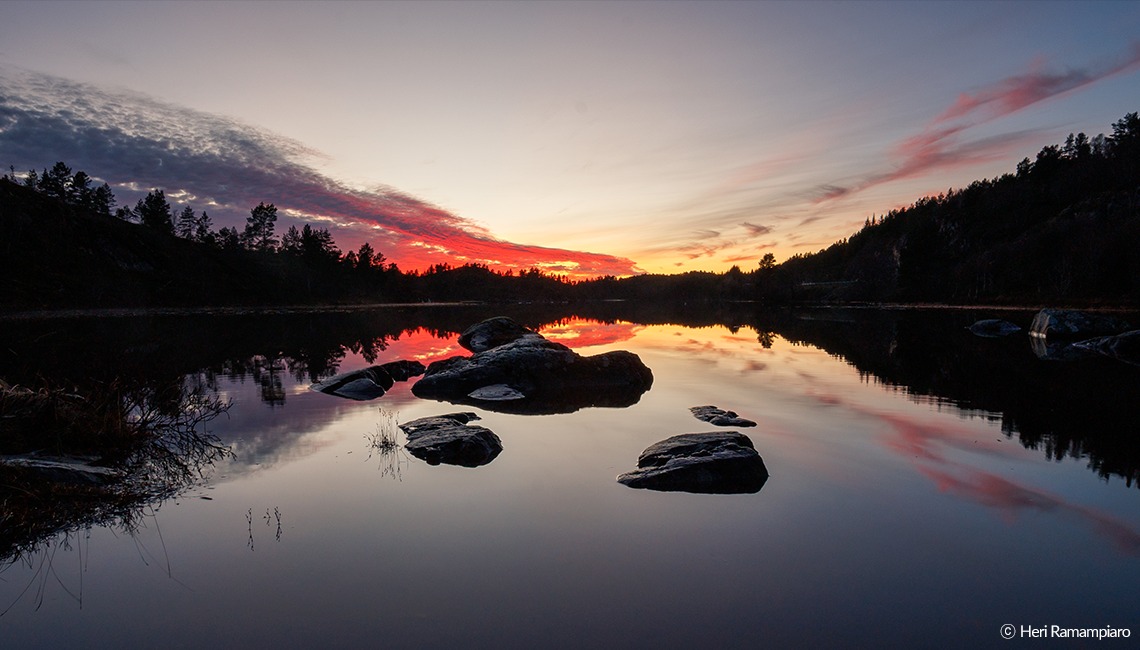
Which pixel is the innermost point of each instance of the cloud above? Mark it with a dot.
(937, 145)
(755, 230)
(224, 166)
(1017, 92)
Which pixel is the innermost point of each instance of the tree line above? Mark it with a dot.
(1061, 226)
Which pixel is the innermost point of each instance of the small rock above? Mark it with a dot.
(720, 417)
(449, 439)
(992, 328)
(720, 462)
(359, 385)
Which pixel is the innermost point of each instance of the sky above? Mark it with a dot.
(580, 138)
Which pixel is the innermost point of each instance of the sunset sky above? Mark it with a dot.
(582, 138)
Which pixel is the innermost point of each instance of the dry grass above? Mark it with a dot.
(153, 439)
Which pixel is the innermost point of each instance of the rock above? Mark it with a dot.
(720, 462)
(532, 375)
(720, 417)
(993, 328)
(360, 385)
(495, 393)
(449, 439)
(494, 332)
(71, 470)
(369, 383)
(1072, 324)
(403, 370)
(1123, 347)
(1057, 350)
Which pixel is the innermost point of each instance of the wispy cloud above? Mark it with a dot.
(938, 145)
(1017, 92)
(755, 230)
(224, 166)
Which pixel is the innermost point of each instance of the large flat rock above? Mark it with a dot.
(719, 462)
(450, 440)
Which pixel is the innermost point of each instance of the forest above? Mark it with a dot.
(1060, 228)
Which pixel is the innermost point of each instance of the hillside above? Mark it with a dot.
(1064, 227)
(53, 254)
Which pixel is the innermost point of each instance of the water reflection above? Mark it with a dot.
(1084, 408)
(98, 455)
(907, 502)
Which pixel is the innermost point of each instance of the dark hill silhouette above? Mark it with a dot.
(1063, 228)
(53, 254)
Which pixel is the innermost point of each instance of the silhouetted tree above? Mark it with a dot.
(258, 234)
(79, 190)
(202, 232)
(291, 241)
(154, 211)
(187, 223)
(102, 200)
(229, 239)
(56, 182)
(317, 246)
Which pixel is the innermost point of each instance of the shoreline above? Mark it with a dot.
(275, 310)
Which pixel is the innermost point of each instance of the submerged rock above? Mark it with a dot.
(720, 417)
(1057, 350)
(530, 374)
(63, 469)
(369, 383)
(993, 328)
(1122, 347)
(450, 440)
(720, 462)
(1067, 323)
(495, 393)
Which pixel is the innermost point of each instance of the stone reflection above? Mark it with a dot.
(99, 455)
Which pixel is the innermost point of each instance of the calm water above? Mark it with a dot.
(927, 487)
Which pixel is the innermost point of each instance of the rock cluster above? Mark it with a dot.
(720, 417)
(517, 370)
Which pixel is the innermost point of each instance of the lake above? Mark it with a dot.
(926, 487)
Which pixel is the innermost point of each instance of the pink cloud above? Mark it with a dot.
(1017, 92)
(937, 146)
